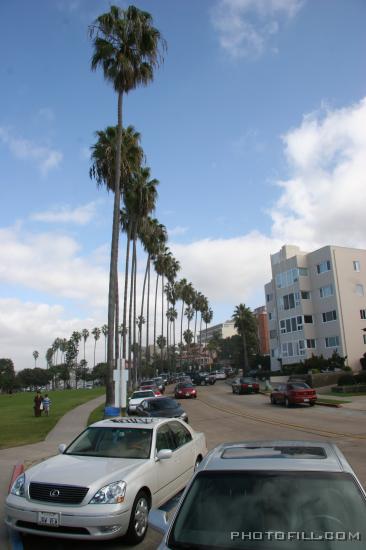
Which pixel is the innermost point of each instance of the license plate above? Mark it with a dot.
(48, 518)
(250, 386)
(306, 400)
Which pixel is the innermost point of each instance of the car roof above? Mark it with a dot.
(133, 422)
(277, 455)
(160, 399)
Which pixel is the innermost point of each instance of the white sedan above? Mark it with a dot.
(104, 483)
(138, 397)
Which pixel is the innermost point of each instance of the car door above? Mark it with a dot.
(167, 469)
(185, 453)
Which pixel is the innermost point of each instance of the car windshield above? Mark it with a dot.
(112, 442)
(162, 403)
(247, 380)
(299, 386)
(186, 385)
(138, 394)
(271, 510)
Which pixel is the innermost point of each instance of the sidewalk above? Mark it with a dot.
(67, 428)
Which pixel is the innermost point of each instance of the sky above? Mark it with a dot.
(255, 127)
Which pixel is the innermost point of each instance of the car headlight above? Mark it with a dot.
(183, 415)
(18, 486)
(114, 493)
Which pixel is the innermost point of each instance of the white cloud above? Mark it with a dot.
(246, 26)
(80, 215)
(45, 157)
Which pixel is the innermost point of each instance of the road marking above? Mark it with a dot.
(277, 422)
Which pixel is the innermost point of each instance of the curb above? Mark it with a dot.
(15, 540)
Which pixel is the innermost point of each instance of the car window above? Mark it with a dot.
(181, 434)
(164, 439)
(112, 442)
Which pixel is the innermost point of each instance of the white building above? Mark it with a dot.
(224, 330)
(316, 304)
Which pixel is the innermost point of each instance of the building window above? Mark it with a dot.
(269, 297)
(359, 290)
(310, 343)
(305, 295)
(363, 313)
(323, 266)
(273, 334)
(308, 319)
(364, 338)
(287, 349)
(272, 352)
(329, 316)
(326, 291)
(332, 342)
(292, 324)
(356, 265)
(303, 271)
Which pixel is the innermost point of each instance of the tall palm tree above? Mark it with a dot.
(85, 335)
(105, 334)
(35, 357)
(96, 332)
(128, 48)
(207, 317)
(242, 319)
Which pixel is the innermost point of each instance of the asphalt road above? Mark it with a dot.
(223, 416)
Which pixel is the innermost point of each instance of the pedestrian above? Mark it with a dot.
(38, 404)
(46, 404)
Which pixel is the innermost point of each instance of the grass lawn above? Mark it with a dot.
(96, 415)
(19, 426)
(322, 399)
(346, 394)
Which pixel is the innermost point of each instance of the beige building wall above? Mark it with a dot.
(225, 330)
(328, 288)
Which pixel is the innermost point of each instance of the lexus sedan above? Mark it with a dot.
(269, 495)
(293, 393)
(104, 483)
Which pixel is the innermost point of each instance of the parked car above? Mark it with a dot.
(185, 390)
(136, 398)
(220, 375)
(152, 387)
(105, 481)
(273, 492)
(293, 393)
(164, 407)
(200, 378)
(245, 385)
(160, 384)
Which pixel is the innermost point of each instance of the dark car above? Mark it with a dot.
(245, 385)
(161, 407)
(185, 390)
(293, 393)
(200, 379)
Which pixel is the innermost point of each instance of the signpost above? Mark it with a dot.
(120, 377)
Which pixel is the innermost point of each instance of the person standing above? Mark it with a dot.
(46, 404)
(38, 404)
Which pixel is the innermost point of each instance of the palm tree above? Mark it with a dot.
(242, 318)
(105, 334)
(127, 47)
(96, 332)
(85, 335)
(207, 317)
(35, 356)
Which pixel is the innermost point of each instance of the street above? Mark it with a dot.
(223, 416)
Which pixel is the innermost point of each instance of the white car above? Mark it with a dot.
(104, 483)
(138, 397)
(220, 375)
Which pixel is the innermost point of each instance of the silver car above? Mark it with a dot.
(103, 484)
(269, 495)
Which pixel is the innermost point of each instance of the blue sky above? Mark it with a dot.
(254, 122)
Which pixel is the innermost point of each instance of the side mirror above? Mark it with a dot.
(61, 448)
(140, 409)
(163, 454)
(158, 521)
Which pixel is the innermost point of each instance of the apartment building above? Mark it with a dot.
(261, 315)
(225, 330)
(316, 304)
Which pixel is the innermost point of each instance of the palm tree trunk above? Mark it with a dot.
(246, 362)
(130, 328)
(156, 299)
(142, 312)
(195, 328)
(181, 333)
(95, 345)
(114, 259)
(134, 307)
(116, 325)
(162, 314)
(124, 347)
(147, 313)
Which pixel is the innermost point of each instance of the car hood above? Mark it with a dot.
(83, 470)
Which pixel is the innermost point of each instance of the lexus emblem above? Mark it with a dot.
(55, 493)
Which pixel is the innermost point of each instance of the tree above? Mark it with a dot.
(105, 334)
(188, 337)
(127, 47)
(85, 336)
(161, 343)
(207, 317)
(7, 374)
(246, 325)
(35, 356)
(96, 333)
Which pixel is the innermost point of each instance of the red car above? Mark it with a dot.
(245, 385)
(185, 390)
(293, 393)
(153, 388)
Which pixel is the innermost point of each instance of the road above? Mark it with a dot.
(223, 416)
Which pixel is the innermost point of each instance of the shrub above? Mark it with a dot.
(360, 377)
(346, 380)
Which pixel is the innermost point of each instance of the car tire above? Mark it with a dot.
(273, 400)
(287, 403)
(138, 520)
(312, 403)
(197, 463)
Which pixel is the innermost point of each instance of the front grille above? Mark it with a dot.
(48, 528)
(57, 494)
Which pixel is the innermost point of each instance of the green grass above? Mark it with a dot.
(345, 394)
(335, 401)
(96, 415)
(19, 426)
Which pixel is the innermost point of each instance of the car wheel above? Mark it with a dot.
(273, 400)
(138, 521)
(197, 463)
(286, 402)
(312, 403)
